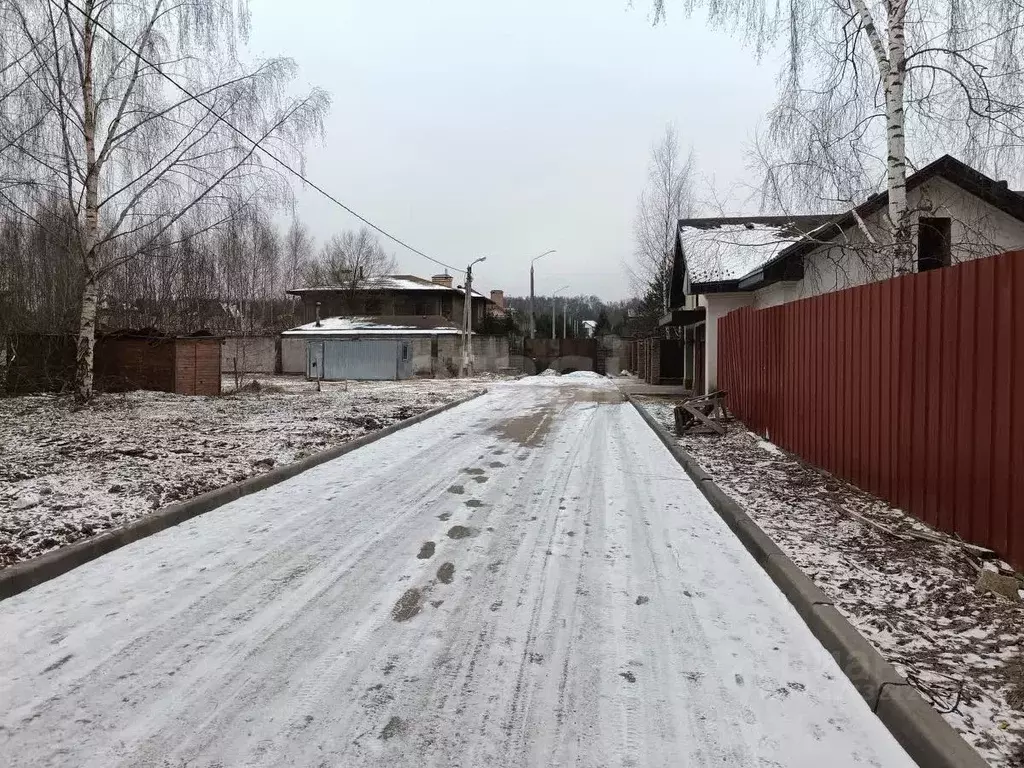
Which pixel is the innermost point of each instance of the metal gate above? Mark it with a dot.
(359, 359)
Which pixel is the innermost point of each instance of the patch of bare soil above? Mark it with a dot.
(914, 600)
(1015, 698)
(426, 551)
(460, 532)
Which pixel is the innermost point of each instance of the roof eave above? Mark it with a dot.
(715, 286)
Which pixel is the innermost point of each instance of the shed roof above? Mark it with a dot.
(398, 325)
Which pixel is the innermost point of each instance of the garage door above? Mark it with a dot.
(361, 359)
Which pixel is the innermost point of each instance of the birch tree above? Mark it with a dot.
(864, 80)
(298, 250)
(665, 199)
(94, 126)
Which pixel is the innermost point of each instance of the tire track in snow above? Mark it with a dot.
(284, 650)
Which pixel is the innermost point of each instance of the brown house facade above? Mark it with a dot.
(393, 295)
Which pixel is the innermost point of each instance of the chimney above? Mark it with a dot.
(444, 279)
(318, 314)
(498, 297)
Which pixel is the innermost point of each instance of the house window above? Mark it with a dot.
(373, 306)
(933, 243)
(423, 308)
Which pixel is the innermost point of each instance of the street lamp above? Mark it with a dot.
(533, 323)
(467, 321)
(553, 304)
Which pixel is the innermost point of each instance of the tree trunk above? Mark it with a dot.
(90, 289)
(896, 162)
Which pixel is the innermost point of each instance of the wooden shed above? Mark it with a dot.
(183, 365)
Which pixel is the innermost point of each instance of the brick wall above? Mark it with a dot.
(654, 362)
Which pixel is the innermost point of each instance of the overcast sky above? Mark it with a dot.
(473, 128)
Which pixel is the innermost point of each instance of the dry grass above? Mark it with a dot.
(256, 387)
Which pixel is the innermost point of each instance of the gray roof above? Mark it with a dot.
(729, 248)
(382, 325)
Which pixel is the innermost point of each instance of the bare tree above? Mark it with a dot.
(135, 115)
(865, 78)
(667, 197)
(298, 250)
(351, 261)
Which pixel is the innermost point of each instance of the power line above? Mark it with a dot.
(257, 145)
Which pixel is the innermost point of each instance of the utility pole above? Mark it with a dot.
(533, 321)
(565, 311)
(554, 304)
(467, 321)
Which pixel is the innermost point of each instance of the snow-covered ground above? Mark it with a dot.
(527, 580)
(67, 474)
(914, 600)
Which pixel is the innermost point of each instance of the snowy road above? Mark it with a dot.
(527, 580)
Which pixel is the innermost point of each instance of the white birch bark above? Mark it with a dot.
(891, 58)
(87, 322)
(896, 159)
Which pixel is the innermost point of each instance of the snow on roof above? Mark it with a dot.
(379, 326)
(389, 283)
(728, 249)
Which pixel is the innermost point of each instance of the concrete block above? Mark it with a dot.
(923, 732)
(798, 588)
(856, 657)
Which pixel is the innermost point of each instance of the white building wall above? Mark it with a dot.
(718, 306)
(977, 229)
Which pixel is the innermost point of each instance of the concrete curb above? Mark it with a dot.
(18, 578)
(919, 729)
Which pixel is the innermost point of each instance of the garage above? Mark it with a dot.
(359, 359)
(376, 348)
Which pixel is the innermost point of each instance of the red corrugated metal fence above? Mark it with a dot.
(912, 388)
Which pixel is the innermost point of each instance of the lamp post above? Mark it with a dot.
(467, 324)
(533, 323)
(554, 303)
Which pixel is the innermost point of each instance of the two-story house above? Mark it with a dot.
(391, 296)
